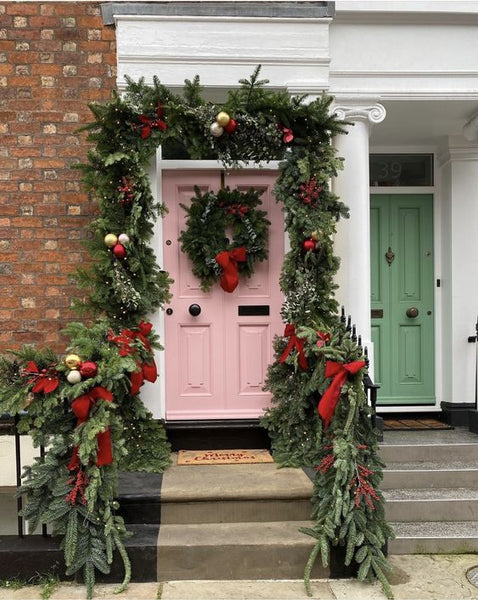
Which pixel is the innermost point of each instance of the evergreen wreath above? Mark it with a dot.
(319, 414)
(211, 218)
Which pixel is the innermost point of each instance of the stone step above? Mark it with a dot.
(432, 537)
(267, 550)
(416, 505)
(22, 557)
(439, 452)
(430, 474)
(234, 493)
(140, 497)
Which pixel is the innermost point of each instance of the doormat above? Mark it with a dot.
(415, 425)
(223, 457)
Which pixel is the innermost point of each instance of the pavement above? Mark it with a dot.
(414, 577)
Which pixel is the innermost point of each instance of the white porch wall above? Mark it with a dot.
(417, 55)
(460, 264)
(294, 53)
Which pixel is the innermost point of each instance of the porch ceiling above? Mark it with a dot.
(422, 122)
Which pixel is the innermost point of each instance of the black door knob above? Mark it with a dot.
(194, 310)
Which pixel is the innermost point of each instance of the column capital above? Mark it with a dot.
(372, 113)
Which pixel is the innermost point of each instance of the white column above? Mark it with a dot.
(353, 234)
(459, 285)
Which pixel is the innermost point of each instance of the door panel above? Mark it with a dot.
(216, 362)
(402, 280)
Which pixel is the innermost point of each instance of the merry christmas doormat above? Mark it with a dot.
(223, 457)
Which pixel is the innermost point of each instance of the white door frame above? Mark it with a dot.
(154, 395)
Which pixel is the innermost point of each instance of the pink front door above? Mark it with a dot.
(216, 361)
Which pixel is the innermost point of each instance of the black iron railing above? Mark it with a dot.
(9, 426)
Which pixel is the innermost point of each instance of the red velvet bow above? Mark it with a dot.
(294, 342)
(81, 408)
(46, 381)
(324, 338)
(287, 133)
(144, 331)
(145, 371)
(227, 260)
(152, 123)
(340, 373)
(128, 336)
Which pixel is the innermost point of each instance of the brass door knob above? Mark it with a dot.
(412, 312)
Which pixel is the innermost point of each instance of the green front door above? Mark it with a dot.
(402, 298)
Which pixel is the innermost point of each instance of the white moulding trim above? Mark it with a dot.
(173, 164)
(376, 189)
(409, 94)
(221, 19)
(458, 154)
(229, 60)
(418, 74)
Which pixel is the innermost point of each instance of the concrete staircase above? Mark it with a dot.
(431, 489)
(235, 522)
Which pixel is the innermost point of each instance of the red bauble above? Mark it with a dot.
(230, 127)
(119, 251)
(308, 245)
(88, 369)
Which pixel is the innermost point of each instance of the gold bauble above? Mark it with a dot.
(315, 235)
(111, 240)
(223, 118)
(73, 361)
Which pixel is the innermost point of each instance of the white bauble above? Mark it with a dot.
(73, 377)
(216, 130)
(123, 239)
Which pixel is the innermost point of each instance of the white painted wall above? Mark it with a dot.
(293, 52)
(460, 268)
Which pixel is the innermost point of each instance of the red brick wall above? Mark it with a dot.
(55, 57)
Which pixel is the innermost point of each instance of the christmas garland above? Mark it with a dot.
(81, 407)
(210, 217)
(98, 424)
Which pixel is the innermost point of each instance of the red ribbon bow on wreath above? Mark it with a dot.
(294, 342)
(340, 373)
(81, 408)
(227, 260)
(152, 123)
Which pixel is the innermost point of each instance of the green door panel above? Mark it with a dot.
(402, 280)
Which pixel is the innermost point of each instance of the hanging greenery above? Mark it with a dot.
(85, 406)
(210, 219)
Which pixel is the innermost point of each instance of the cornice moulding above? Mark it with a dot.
(215, 59)
(218, 19)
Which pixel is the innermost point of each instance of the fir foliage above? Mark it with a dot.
(68, 488)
